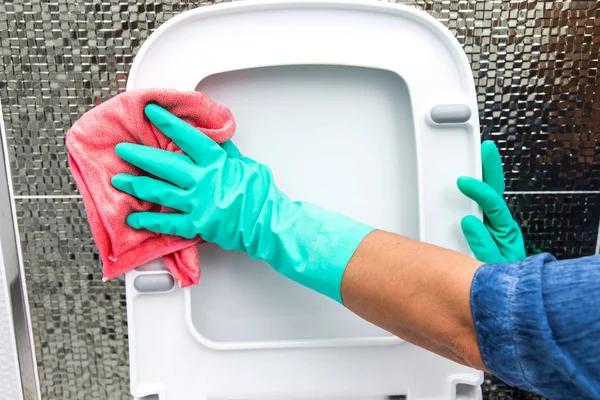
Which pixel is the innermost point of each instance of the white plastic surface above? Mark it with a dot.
(335, 97)
(314, 126)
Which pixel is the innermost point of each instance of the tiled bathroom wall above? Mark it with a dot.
(535, 65)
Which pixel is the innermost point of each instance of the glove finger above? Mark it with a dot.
(231, 149)
(480, 241)
(202, 149)
(152, 190)
(511, 243)
(172, 167)
(167, 223)
(493, 205)
(491, 162)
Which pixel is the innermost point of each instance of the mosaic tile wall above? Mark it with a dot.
(535, 65)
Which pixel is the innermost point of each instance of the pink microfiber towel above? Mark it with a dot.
(91, 143)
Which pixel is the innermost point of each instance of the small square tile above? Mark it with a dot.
(565, 225)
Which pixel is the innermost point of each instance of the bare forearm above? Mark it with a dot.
(416, 291)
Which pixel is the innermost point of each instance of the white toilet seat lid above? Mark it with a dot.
(371, 78)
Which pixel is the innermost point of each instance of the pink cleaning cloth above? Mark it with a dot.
(91, 143)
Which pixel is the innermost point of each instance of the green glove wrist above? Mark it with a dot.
(499, 238)
(232, 201)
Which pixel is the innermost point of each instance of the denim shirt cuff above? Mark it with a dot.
(493, 293)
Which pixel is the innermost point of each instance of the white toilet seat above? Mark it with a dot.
(323, 92)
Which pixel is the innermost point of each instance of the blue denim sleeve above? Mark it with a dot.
(538, 324)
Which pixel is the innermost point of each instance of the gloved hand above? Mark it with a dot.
(232, 200)
(499, 238)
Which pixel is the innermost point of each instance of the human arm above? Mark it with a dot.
(533, 323)
(223, 198)
(417, 291)
(536, 320)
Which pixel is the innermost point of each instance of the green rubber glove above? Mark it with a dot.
(499, 239)
(232, 200)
